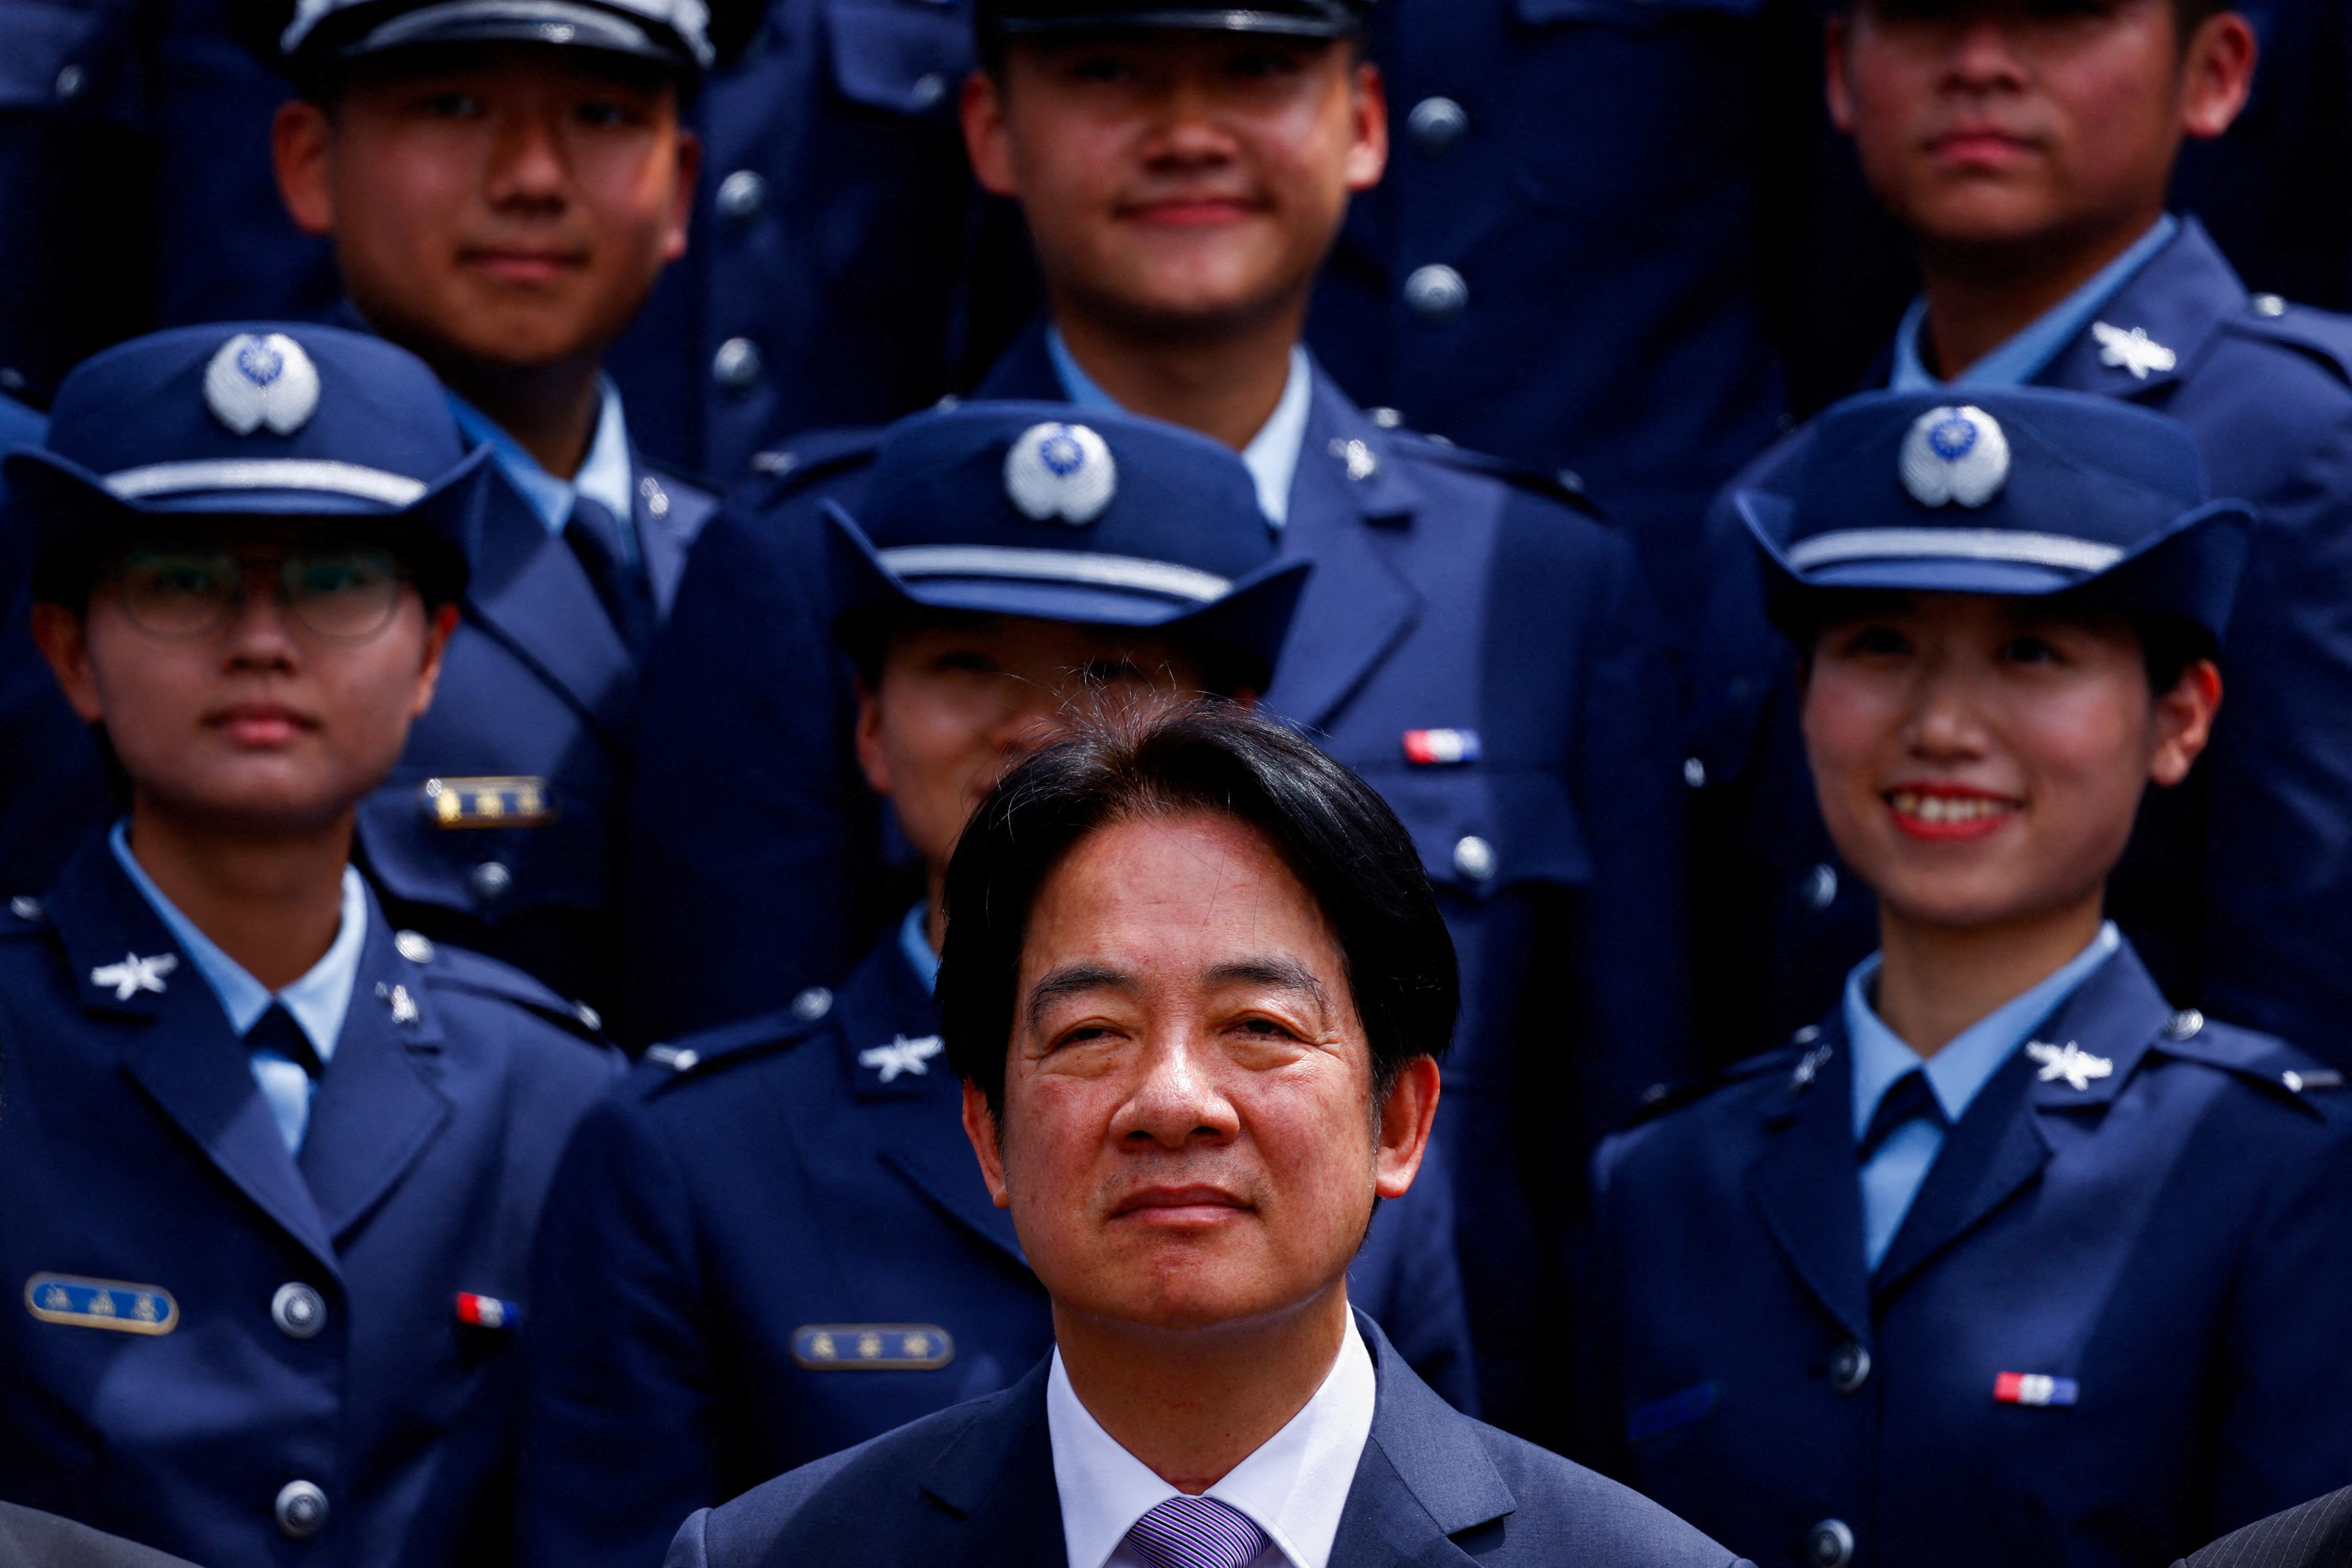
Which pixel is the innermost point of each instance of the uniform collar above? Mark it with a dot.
(318, 1001)
(605, 473)
(1957, 1072)
(1294, 1485)
(2025, 355)
(1272, 454)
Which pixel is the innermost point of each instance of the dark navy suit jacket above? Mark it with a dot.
(789, 1174)
(135, 1148)
(974, 1484)
(536, 685)
(2166, 1236)
(2238, 887)
(1449, 591)
(2315, 1534)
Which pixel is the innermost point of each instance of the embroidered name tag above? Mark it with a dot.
(101, 1305)
(872, 1347)
(487, 803)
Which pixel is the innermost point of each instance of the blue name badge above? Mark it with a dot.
(1672, 1412)
(872, 1347)
(101, 1305)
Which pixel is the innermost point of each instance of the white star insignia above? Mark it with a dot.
(135, 974)
(2069, 1062)
(901, 1055)
(2133, 351)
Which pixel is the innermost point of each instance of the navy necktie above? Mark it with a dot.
(277, 1032)
(594, 535)
(1906, 1100)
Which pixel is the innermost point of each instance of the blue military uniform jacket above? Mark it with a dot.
(975, 1485)
(2237, 885)
(1450, 593)
(155, 1235)
(500, 827)
(2161, 1243)
(775, 1243)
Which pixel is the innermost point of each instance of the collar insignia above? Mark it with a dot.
(2069, 1062)
(135, 974)
(255, 380)
(1955, 455)
(403, 1005)
(1060, 471)
(901, 1055)
(2133, 351)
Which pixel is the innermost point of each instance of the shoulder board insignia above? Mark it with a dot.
(101, 1305)
(461, 969)
(872, 1347)
(515, 802)
(2259, 1060)
(1559, 485)
(813, 455)
(26, 909)
(1661, 1098)
(2323, 334)
(689, 1055)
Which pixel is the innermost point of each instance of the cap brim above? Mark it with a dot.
(554, 22)
(1283, 24)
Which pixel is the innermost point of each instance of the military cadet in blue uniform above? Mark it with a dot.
(269, 1166)
(2005, 1260)
(1473, 640)
(776, 1244)
(2050, 260)
(502, 187)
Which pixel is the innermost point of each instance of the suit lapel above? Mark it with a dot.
(1423, 1477)
(531, 594)
(2158, 325)
(997, 1478)
(1808, 1184)
(375, 1112)
(178, 1044)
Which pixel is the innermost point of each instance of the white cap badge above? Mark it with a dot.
(1955, 455)
(1061, 471)
(255, 380)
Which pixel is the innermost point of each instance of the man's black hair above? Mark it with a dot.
(1338, 837)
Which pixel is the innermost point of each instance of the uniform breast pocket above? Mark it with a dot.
(908, 56)
(489, 848)
(1484, 832)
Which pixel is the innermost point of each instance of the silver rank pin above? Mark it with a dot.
(1955, 455)
(1060, 471)
(2133, 351)
(135, 974)
(902, 1055)
(255, 380)
(1810, 1065)
(2069, 1062)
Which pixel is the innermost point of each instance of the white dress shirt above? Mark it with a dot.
(1295, 1486)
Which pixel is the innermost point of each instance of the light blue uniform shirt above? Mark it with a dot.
(317, 1002)
(2024, 356)
(918, 944)
(1272, 455)
(604, 474)
(1955, 1074)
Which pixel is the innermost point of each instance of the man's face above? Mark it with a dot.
(962, 699)
(1175, 179)
(1189, 1138)
(512, 211)
(1993, 123)
(258, 721)
(1980, 760)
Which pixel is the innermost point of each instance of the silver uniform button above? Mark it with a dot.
(490, 882)
(70, 82)
(1829, 1544)
(930, 87)
(414, 945)
(1849, 1368)
(736, 365)
(23, 906)
(299, 1310)
(589, 1017)
(1436, 124)
(1474, 857)
(2183, 1024)
(1693, 773)
(1820, 888)
(1436, 294)
(301, 1509)
(813, 1004)
(2268, 305)
(742, 195)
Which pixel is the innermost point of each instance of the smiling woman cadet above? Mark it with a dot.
(2006, 1262)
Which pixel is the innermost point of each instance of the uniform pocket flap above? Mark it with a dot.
(908, 57)
(421, 853)
(1480, 832)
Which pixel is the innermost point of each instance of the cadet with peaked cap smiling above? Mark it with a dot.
(2006, 1261)
(268, 1166)
(503, 181)
(1474, 640)
(774, 1244)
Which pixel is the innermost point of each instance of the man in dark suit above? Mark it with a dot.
(2315, 1534)
(31, 1539)
(1194, 982)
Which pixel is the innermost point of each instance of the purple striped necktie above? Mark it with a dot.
(1196, 1532)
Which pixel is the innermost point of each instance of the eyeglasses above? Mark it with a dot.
(344, 592)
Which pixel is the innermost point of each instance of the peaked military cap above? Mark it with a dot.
(250, 418)
(311, 39)
(1294, 18)
(2018, 491)
(1037, 509)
